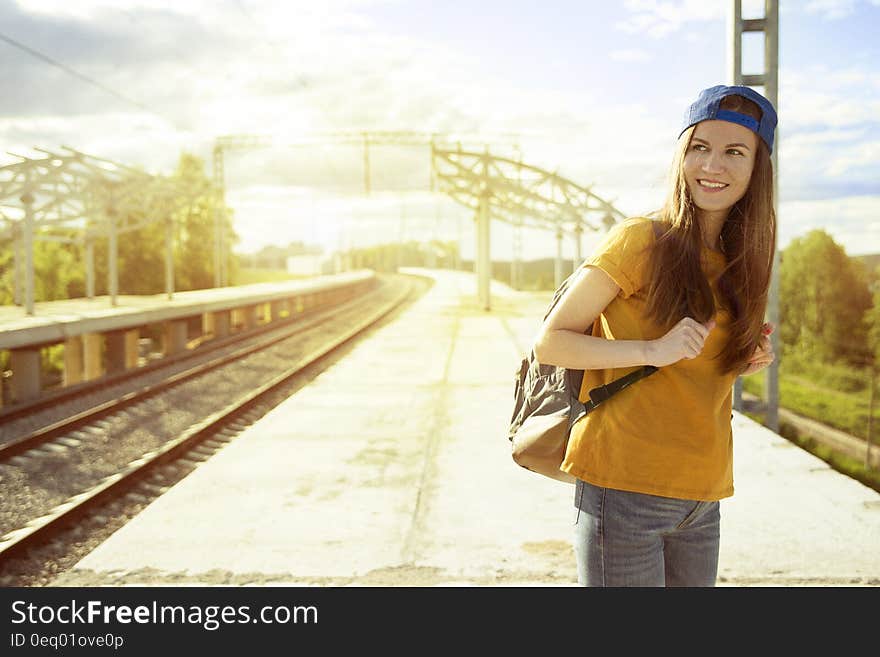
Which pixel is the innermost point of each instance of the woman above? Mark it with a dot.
(685, 290)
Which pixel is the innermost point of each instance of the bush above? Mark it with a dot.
(838, 377)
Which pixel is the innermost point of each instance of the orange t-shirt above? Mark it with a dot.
(669, 434)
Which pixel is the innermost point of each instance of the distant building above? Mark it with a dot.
(305, 265)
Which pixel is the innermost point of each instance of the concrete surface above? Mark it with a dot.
(392, 468)
(55, 321)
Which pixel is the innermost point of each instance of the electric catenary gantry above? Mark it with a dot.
(521, 195)
(77, 198)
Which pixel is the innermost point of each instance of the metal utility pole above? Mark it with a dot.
(112, 255)
(219, 204)
(18, 265)
(90, 266)
(578, 246)
(558, 274)
(482, 259)
(868, 437)
(169, 258)
(459, 232)
(27, 241)
(769, 80)
(516, 259)
(367, 164)
(401, 236)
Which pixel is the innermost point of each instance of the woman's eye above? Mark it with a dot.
(699, 147)
(734, 151)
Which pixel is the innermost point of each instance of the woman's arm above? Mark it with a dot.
(561, 340)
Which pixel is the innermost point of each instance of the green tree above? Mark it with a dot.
(872, 318)
(824, 295)
(7, 272)
(57, 273)
(142, 258)
(59, 268)
(194, 248)
(56, 270)
(141, 252)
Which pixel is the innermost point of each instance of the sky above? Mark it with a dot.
(592, 90)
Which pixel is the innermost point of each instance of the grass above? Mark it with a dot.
(845, 411)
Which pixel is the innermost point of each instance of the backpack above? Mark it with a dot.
(546, 405)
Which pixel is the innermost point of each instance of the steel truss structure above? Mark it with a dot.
(77, 198)
(364, 138)
(521, 195)
(500, 188)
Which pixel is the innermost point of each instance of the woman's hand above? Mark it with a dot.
(684, 340)
(763, 355)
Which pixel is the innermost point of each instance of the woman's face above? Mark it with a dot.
(718, 165)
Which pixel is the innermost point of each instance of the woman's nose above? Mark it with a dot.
(712, 162)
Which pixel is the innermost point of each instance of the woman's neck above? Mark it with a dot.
(711, 224)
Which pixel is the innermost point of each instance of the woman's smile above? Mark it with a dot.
(711, 185)
(718, 164)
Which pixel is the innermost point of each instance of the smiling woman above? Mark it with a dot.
(684, 291)
(721, 198)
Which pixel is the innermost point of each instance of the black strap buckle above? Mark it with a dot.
(600, 394)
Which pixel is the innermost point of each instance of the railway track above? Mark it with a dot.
(838, 441)
(63, 477)
(57, 406)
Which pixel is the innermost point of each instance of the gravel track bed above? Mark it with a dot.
(62, 410)
(33, 486)
(42, 565)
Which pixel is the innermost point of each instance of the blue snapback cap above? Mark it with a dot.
(706, 108)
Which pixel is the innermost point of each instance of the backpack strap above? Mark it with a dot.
(603, 393)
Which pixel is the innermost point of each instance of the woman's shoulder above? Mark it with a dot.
(638, 223)
(624, 255)
(635, 230)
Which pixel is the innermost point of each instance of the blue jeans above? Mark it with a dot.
(632, 539)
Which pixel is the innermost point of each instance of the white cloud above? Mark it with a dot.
(359, 78)
(846, 97)
(114, 135)
(87, 9)
(659, 19)
(831, 9)
(829, 136)
(277, 14)
(856, 159)
(631, 55)
(807, 148)
(853, 221)
(293, 68)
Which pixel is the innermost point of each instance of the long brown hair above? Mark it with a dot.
(678, 286)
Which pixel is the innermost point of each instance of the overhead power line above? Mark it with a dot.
(80, 76)
(302, 81)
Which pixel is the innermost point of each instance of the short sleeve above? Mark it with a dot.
(624, 253)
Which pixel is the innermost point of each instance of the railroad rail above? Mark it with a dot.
(263, 372)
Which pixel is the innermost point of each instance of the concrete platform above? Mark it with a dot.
(55, 321)
(392, 468)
